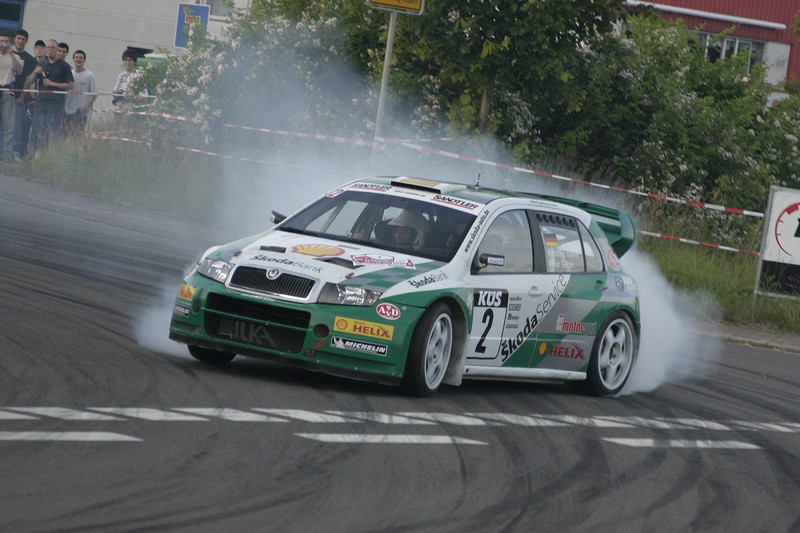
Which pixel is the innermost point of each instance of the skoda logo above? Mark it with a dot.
(273, 274)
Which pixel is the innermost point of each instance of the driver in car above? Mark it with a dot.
(410, 229)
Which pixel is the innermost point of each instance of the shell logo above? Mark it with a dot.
(318, 250)
(543, 348)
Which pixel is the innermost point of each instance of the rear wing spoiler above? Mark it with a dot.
(617, 225)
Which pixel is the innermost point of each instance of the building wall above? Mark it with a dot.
(105, 28)
(781, 65)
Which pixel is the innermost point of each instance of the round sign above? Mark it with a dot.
(787, 230)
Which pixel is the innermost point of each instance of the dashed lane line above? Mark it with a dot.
(62, 436)
(354, 438)
(64, 413)
(678, 443)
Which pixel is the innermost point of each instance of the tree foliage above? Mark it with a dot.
(621, 96)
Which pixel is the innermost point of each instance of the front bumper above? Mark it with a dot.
(349, 341)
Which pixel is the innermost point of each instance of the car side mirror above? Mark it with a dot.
(276, 218)
(484, 260)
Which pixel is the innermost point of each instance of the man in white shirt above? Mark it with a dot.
(78, 107)
(10, 66)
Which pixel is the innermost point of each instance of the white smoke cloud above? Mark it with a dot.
(151, 327)
(670, 349)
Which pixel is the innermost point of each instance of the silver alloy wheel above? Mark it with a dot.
(437, 350)
(615, 356)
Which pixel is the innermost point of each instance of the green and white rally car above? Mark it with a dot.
(417, 283)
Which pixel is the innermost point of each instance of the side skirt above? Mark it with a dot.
(542, 375)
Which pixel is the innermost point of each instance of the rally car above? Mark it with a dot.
(417, 283)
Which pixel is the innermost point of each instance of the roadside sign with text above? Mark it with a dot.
(409, 7)
(191, 18)
(779, 268)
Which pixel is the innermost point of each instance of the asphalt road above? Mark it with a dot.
(105, 425)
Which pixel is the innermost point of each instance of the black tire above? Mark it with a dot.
(613, 356)
(212, 357)
(429, 352)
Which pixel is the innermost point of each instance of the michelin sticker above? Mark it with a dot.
(359, 346)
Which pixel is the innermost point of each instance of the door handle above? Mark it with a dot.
(600, 285)
(534, 292)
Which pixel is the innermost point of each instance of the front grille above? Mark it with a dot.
(285, 284)
(256, 324)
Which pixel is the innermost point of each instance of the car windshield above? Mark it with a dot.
(384, 221)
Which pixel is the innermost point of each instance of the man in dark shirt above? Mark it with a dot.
(52, 75)
(22, 119)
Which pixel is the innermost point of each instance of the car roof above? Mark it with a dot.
(616, 224)
(475, 194)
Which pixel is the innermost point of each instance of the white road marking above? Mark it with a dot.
(521, 420)
(759, 426)
(233, 415)
(697, 423)
(75, 436)
(5, 415)
(645, 422)
(676, 443)
(456, 420)
(594, 422)
(64, 413)
(308, 416)
(146, 413)
(382, 418)
(352, 438)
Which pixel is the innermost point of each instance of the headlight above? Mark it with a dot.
(215, 269)
(347, 295)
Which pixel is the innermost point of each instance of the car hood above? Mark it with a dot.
(324, 259)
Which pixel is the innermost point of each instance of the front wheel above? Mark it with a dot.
(429, 352)
(613, 355)
(212, 357)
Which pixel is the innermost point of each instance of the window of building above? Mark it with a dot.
(218, 8)
(11, 12)
(720, 48)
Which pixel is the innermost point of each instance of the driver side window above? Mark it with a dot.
(509, 236)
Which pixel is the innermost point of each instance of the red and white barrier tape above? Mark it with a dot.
(110, 136)
(698, 243)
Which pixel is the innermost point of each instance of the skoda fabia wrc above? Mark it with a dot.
(417, 283)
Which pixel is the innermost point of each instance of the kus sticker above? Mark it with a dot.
(363, 327)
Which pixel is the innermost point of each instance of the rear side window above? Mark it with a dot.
(594, 260)
(568, 246)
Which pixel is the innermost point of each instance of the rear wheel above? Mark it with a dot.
(429, 352)
(213, 357)
(613, 354)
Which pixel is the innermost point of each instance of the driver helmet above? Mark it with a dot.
(415, 221)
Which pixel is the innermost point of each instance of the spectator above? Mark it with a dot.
(9, 68)
(78, 107)
(125, 79)
(63, 50)
(52, 75)
(22, 117)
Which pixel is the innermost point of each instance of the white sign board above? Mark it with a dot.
(780, 244)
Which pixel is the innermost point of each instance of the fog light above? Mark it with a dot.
(321, 331)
